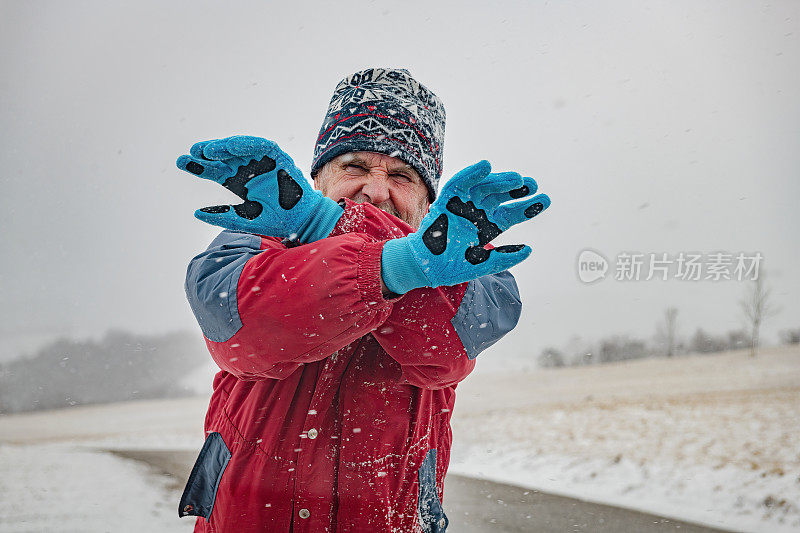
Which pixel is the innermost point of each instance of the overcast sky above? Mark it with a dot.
(655, 127)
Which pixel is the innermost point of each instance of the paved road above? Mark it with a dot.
(477, 506)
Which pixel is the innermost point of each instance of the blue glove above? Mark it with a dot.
(473, 208)
(278, 200)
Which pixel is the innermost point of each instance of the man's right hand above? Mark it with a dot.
(278, 200)
(449, 247)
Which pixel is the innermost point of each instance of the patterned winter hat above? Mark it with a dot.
(386, 111)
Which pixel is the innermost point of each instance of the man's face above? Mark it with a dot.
(386, 182)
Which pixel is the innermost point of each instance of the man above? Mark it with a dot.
(342, 317)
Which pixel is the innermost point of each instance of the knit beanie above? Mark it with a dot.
(386, 111)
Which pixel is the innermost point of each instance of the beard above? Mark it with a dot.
(413, 218)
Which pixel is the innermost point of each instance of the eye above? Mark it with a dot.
(401, 177)
(354, 168)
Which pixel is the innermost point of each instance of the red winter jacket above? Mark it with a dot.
(332, 408)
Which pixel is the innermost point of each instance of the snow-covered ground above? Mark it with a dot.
(712, 439)
(55, 474)
(57, 487)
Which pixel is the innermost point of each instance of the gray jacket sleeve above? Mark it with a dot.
(490, 308)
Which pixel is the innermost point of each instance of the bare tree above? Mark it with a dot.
(667, 330)
(702, 342)
(621, 348)
(737, 339)
(757, 307)
(791, 336)
(551, 357)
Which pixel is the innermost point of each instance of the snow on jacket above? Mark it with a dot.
(332, 408)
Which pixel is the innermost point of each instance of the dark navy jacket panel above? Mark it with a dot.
(201, 489)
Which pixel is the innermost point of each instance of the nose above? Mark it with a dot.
(376, 189)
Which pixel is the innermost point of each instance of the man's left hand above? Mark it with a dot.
(473, 208)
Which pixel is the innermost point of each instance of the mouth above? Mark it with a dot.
(391, 211)
(385, 208)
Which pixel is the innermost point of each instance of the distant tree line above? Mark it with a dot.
(756, 306)
(120, 366)
(622, 347)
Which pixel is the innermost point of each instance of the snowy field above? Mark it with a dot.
(710, 439)
(56, 476)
